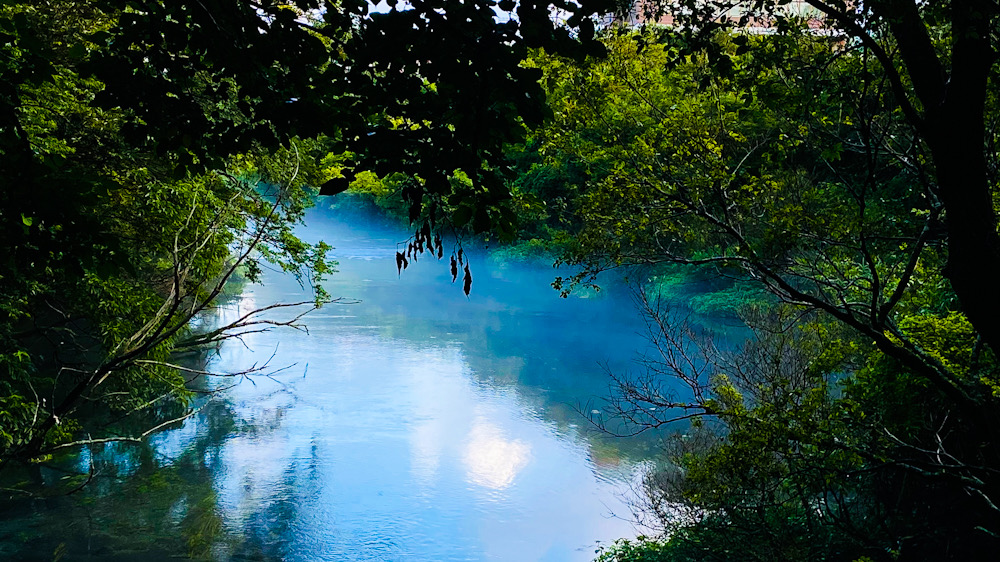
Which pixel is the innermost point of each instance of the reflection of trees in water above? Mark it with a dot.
(153, 500)
(269, 529)
(136, 501)
(148, 500)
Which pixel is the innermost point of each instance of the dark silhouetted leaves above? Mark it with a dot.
(336, 185)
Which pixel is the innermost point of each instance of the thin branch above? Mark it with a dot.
(122, 439)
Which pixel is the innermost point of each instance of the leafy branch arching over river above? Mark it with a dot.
(829, 173)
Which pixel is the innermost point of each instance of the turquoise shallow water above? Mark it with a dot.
(409, 423)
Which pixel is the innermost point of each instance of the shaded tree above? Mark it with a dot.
(151, 150)
(787, 161)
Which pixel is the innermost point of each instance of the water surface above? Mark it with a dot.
(410, 423)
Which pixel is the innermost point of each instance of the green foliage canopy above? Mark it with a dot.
(151, 150)
(859, 421)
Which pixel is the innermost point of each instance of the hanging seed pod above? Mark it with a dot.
(460, 256)
(399, 262)
(467, 285)
(406, 262)
(454, 269)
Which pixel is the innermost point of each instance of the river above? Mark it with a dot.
(410, 423)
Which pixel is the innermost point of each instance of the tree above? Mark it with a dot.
(111, 257)
(151, 150)
(938, 63)
(786, 160)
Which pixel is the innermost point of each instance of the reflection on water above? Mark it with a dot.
(415, 424)
(493, 461)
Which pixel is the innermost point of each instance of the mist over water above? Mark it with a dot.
(428, 425)
(410, 423)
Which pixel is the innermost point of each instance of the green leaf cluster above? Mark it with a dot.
(857, 423)
(105, 230)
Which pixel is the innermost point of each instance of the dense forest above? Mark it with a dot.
(829, 181)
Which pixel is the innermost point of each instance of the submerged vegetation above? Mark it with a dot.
(831, 183)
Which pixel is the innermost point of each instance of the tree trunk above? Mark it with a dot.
(953, 125)
(973, 243)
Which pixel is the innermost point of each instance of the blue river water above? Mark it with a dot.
(410, 422)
